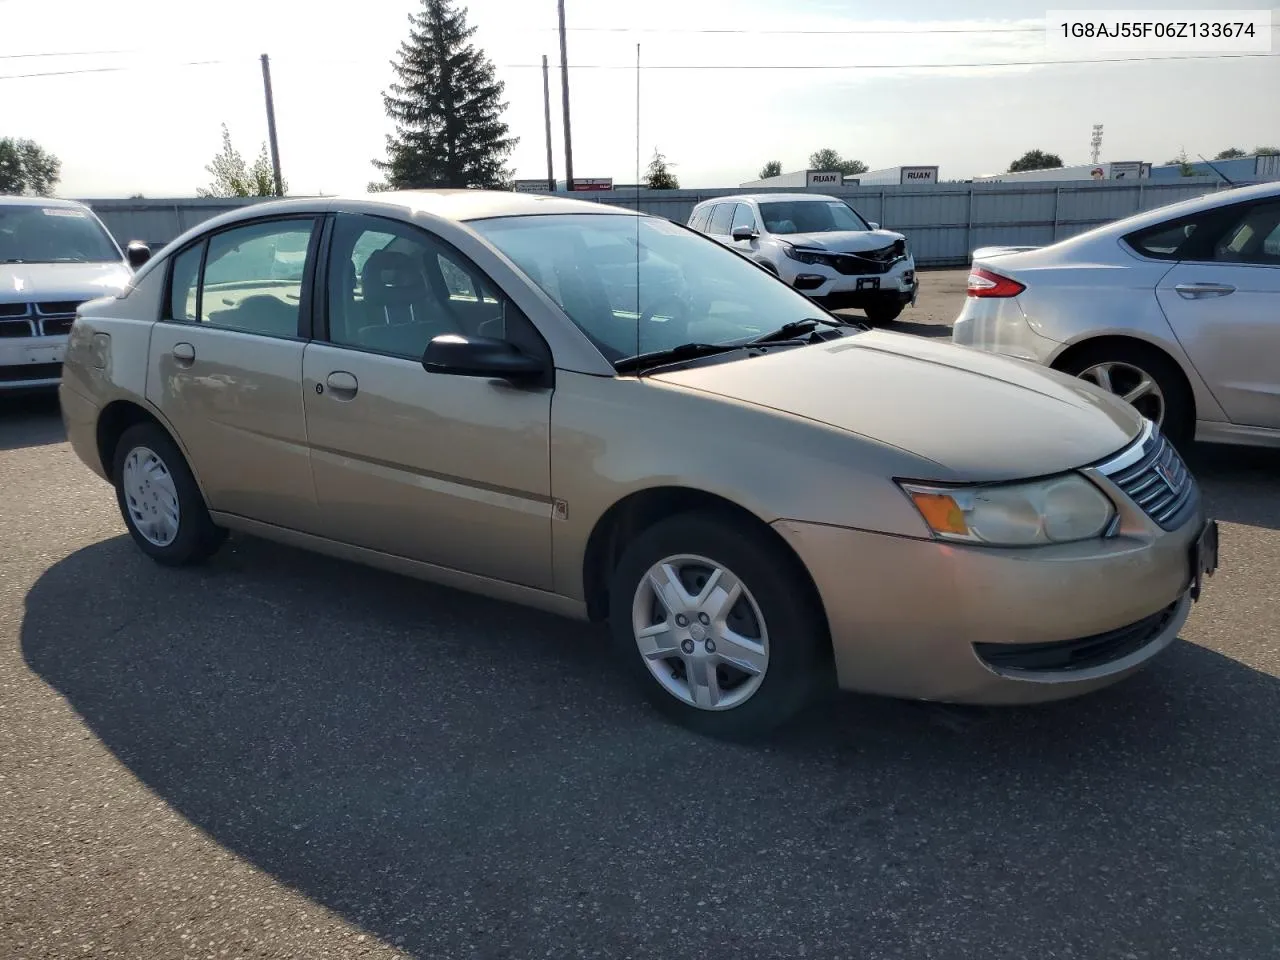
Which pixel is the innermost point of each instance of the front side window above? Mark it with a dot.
(810, 216)
(640, 284)
(252, 278)
(53, 234)
(743, 217)
(393, 287)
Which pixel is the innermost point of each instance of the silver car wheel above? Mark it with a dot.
(700, 632)
(151, 496)
(1132, 384)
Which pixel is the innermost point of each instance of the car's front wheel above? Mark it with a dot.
(883, 312)
(718, 625)
(159, 499)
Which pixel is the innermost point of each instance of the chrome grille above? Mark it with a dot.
(51, 318)
(1157, 481)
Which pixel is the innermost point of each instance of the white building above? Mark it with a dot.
(895, 175)
(1118, 170)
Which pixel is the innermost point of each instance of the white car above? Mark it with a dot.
(1177, 310)
(54, 255)
(819, 245)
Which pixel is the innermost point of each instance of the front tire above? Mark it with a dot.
(883, 312)
(718, 625)
(159, 499)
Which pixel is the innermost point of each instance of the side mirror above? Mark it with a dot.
(137, 253)
(744, 233)
(873, 225)
(480, 357)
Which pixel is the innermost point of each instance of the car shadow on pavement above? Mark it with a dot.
(30, 420)
(931, 330)
(453, 774)
(1240, 484)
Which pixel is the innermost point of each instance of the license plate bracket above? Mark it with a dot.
(868, 283)
(45, 354)
(1204, 557)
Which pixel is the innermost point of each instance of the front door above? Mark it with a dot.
(225, 368)
(450, 470)
(1225, 311)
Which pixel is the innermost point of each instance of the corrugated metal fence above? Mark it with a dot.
(943, 222)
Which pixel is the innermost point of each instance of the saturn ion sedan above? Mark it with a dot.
(610, 416)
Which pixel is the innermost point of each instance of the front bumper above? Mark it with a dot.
(920, 619)
(31, 362)
(830, 287)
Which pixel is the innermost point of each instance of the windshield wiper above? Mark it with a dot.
(685, 351)
(789, 330)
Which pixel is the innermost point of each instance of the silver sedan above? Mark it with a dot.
(1176, 310)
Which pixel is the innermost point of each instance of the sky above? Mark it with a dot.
(187, 68)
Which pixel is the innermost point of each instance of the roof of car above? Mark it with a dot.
(481, 204)
(8, 200)
(770, 197)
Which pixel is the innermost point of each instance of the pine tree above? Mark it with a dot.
(446, 106)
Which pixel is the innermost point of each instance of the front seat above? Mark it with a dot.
(401, 314)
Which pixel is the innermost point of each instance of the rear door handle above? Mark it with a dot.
(184, 354)
(342, 385)
(1198, 291)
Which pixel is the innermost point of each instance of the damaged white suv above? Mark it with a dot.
(819, 245)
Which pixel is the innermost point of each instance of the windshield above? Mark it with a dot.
(810, 216)
(676, 287)
(35, 234)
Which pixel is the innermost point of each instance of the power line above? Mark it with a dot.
(67, 53)
(705, 66)
(67, 73)
(895, 66)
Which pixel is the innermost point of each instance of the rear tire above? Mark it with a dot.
(745, 660)
(160, 500)
(1123, 365)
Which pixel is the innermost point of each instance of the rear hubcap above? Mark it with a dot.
(150, 496)
(1130, 383)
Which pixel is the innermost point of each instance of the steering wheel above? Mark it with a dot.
(677, 320)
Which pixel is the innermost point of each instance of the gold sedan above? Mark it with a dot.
(606, 415)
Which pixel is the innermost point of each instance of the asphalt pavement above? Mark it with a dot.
(281, 755)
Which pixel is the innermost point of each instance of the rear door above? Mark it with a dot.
(225, 366)
(1224, 307)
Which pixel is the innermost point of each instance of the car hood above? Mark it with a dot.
(977, 416)
(24, 282)
(844, 241)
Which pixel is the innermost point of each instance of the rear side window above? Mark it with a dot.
(1169, 241)
(699, 219)
(720, 219)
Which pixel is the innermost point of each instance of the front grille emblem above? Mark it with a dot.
(1163, 473)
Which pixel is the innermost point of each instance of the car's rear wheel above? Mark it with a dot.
(159, 499)
(717, 625)
(883, 312)
(1144, 378)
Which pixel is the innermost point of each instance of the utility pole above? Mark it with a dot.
(546, 107)
(564, 90)
(271, 125)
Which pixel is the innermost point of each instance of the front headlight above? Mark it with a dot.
(803, 255)
(1057, 510)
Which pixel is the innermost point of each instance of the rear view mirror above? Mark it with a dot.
(480, 357)
(137, 253)
(743, 233)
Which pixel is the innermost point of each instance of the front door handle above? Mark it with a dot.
(1198, 291)
(342, 385)
(184, 354)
